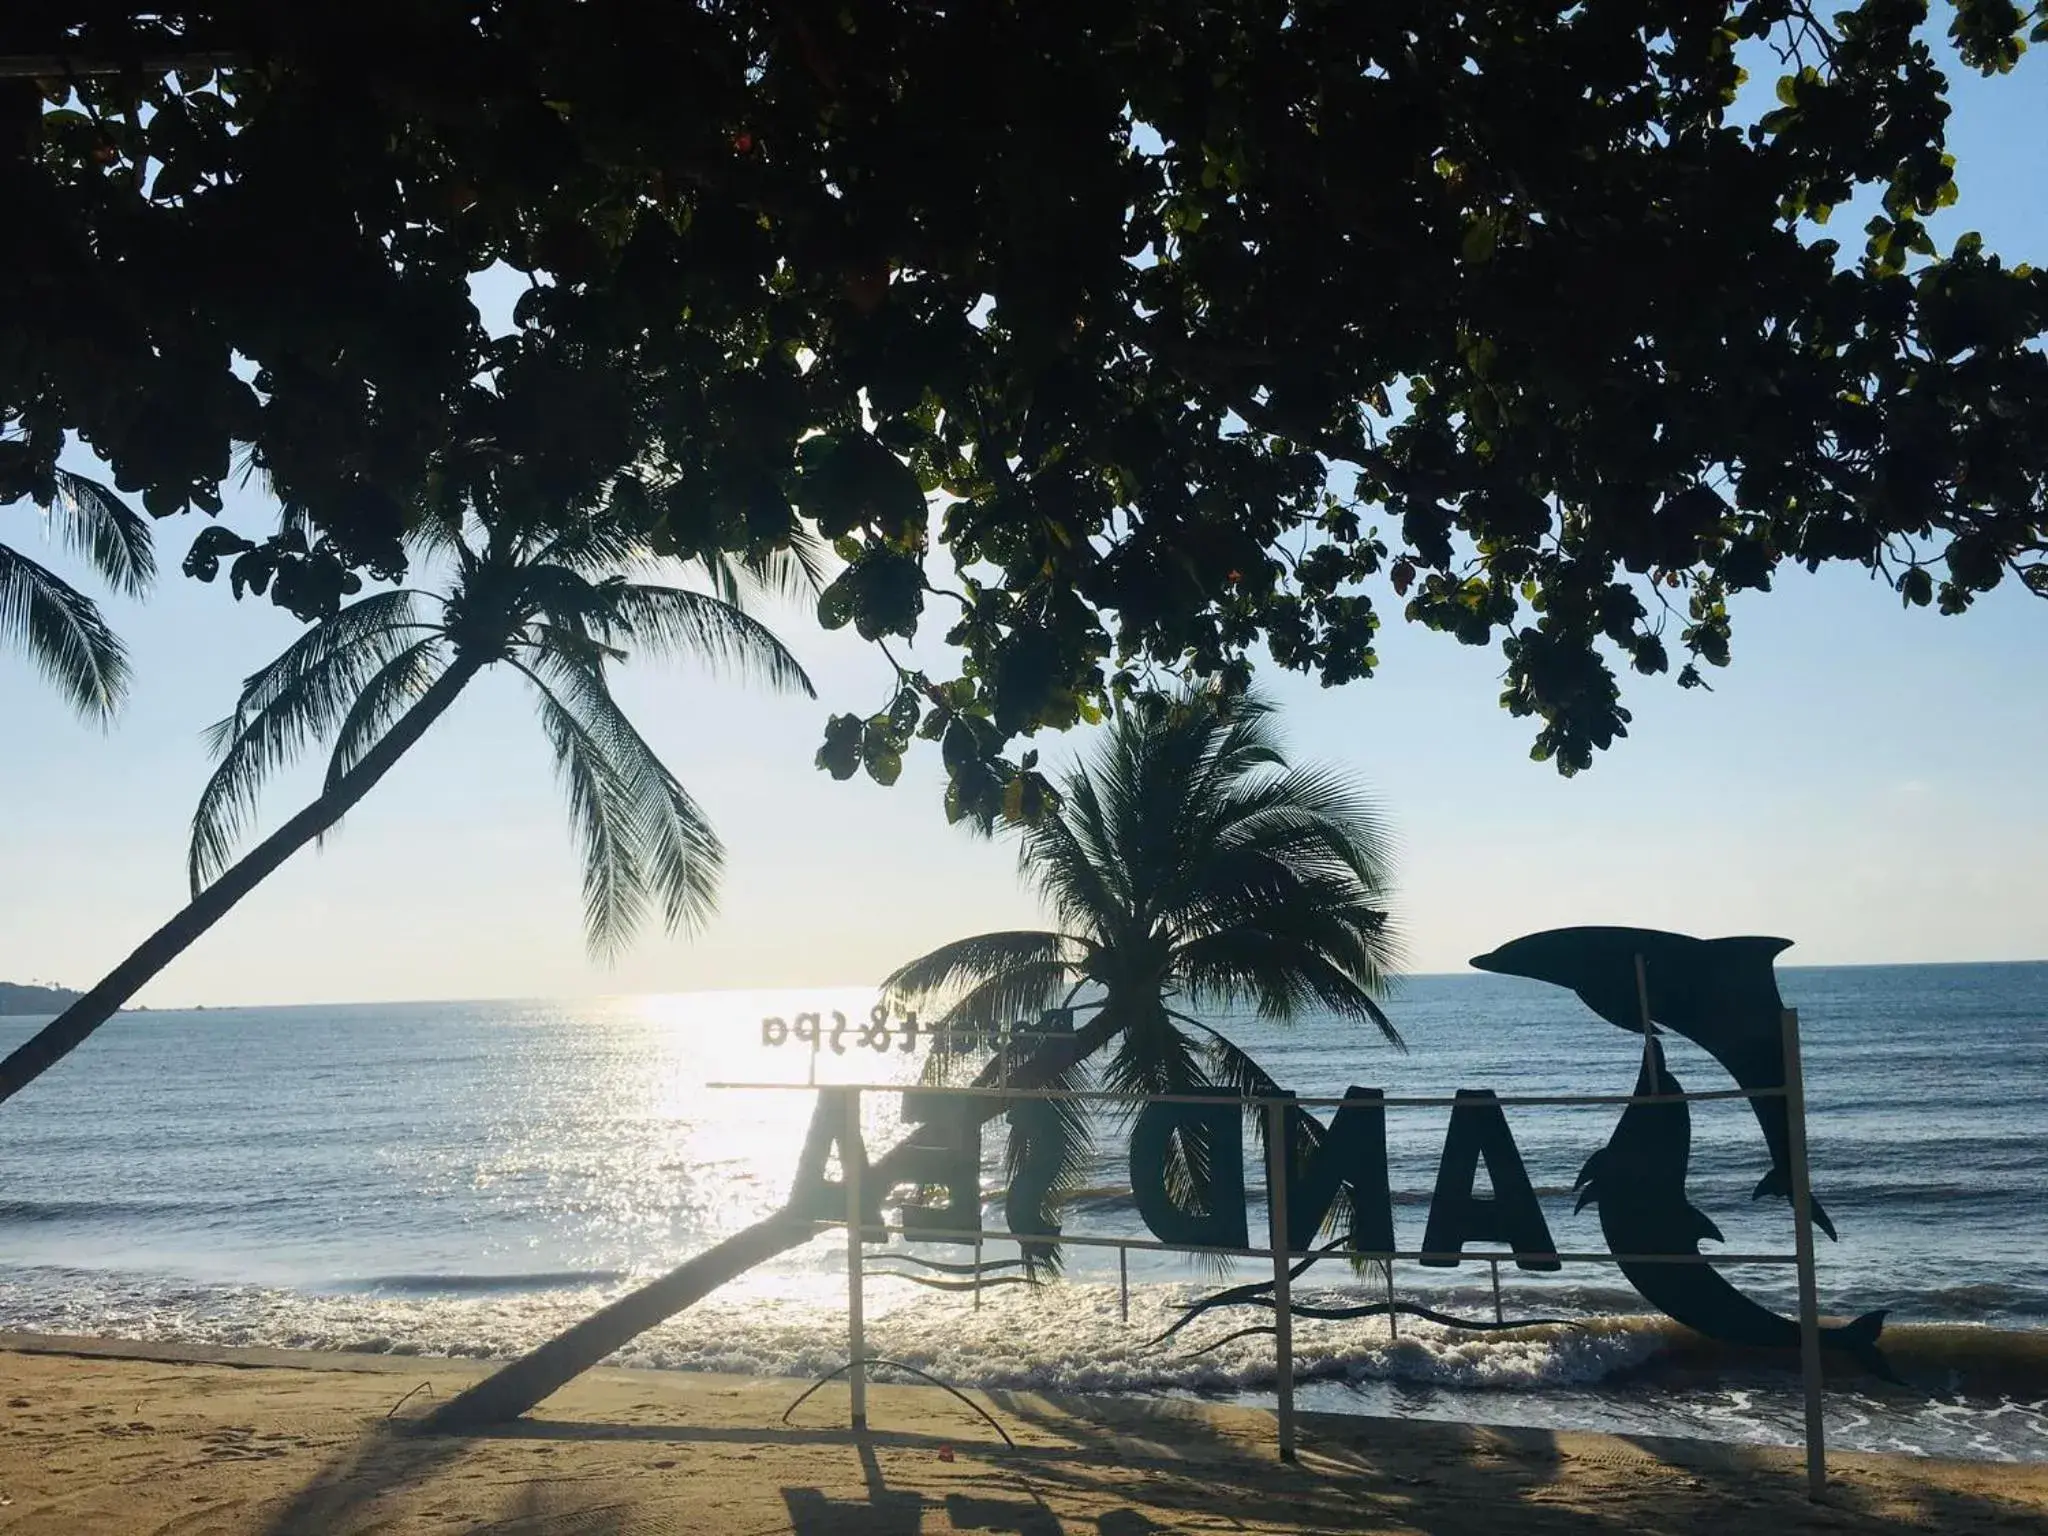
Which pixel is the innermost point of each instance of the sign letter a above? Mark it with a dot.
(814, 1196)
(1479, 1132)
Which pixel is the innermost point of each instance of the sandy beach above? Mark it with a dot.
(112, 1436)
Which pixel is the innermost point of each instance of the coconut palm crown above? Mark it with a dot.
(1190, 868)
(558, 610)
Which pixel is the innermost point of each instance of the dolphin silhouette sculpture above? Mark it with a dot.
(1638, 1182)
(1721, 994)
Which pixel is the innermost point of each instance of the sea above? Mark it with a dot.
(468, 1178)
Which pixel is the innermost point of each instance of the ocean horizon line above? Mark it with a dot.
(1782, 967)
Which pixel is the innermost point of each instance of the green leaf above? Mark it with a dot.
(888, 594)
(202, 560)
(881, 757)
(904, 712)
(850, 480)
(839, 601)
(840, 756)
(176, 179)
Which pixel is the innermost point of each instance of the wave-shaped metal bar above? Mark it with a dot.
(1234, 1294)
(1406, 1309)
(872, 1361)
(952, 1269)
(1240, 1292)
(933, 1283)
(1257, 1330)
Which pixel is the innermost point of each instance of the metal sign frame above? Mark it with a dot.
(1282, 1253)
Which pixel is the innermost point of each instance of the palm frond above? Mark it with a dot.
(64, 635)
(303, 696)
(1311, 818)
(1068, 858)
(1163, 769)
(795, 573)
(678, 857)
(980, 985)
(383, 700)
(594, 545)
(1276, 891)
(1152, 1055)
(672, 621)
(1284, 974)
(436, 530)
(614, 887)
(1207, 756)
(569, 601)
(972, 961)
(982, 1017)
(360, 623)
(115, 538)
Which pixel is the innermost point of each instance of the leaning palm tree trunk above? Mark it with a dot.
(70, 1028)
(542, 1372)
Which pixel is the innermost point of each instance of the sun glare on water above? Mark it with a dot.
(736, 1147)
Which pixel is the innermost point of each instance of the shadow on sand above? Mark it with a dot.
(1108, 1468)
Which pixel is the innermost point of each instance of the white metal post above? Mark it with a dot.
(850, 1159)
(1802, 1248)
(1283, 1308)
(1123, 1284)
(1393, 1318)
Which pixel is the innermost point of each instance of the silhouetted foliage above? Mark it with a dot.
(1212, 325)
(59, 628)
(1188, 865)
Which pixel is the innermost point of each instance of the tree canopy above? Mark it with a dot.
(1107, 339)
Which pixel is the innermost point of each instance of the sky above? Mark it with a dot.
(1863, 780)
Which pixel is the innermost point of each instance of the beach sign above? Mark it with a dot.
(1721, 994)
(1346, 1153)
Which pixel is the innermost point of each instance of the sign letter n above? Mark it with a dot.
(1324, 1160)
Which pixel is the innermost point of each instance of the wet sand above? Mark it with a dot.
(116, 1437)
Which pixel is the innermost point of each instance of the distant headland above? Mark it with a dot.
(17, 997)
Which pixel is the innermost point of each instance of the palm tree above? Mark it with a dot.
(556, 610)
(1190, 867)
(60, 627)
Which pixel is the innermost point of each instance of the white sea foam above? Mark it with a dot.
(1066, 1337)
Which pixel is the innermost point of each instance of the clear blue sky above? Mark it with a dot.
(1865, 781)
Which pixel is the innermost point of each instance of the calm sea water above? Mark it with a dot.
(466, 1178)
